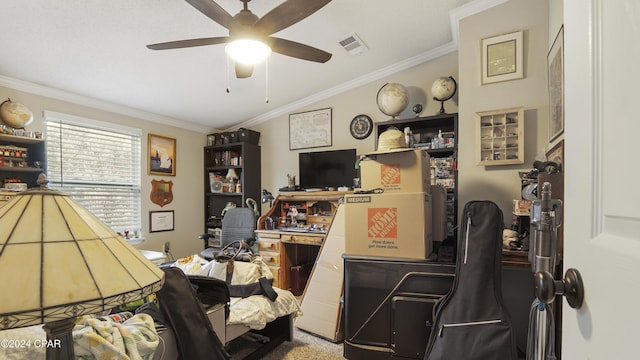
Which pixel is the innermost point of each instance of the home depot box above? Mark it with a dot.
(389, 225)
(439, 211)
(401, 171)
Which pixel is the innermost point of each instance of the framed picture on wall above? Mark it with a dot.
(310, 129)
(555, 64)
(161, 221)
(502, 58)
(556, 154)
(161, 155)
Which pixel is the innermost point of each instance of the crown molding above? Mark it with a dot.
(41, 90)
(455, 16)
(350, 85)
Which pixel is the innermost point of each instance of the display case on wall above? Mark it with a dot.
(500, 136)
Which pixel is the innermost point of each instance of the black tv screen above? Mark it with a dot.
(324, 169)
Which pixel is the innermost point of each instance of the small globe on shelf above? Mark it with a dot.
(392, 99)
(443, 89)
(417, 109)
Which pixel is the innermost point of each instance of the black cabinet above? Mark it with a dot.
(241, 161)
(388, 305)
(22, 159)
(438, 135)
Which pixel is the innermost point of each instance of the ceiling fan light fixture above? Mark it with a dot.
(248, 51)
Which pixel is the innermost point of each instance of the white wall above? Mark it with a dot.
(501, 184)
(188, 203)
(278, 161)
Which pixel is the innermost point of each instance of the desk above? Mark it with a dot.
(291, 254)
(284, 251)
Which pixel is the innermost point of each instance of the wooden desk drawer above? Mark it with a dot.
(301, 239)
(319, 220)
(268, 235)
(271, 259)
(268, 245)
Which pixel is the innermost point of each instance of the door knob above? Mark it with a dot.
(571, 287)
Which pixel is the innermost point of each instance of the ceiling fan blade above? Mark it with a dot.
(215, 12)
(189, 43)
(243, 71)
(298, 50)
(287, 14)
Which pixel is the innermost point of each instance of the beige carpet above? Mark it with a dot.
(303, 346)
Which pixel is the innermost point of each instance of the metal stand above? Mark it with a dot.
(544, 254)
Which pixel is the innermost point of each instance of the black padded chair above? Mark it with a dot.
(237, 224)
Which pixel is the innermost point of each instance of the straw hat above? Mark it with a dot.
(390, 141)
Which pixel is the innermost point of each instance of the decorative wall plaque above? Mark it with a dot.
(161, 192)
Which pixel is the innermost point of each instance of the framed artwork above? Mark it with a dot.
(502, 58)
(161, 155)
(161, 221)
(555, 63)
(556, 154)
(310, 129)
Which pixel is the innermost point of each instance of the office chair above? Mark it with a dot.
(237, 224)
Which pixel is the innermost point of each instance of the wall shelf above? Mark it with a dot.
(29, 165)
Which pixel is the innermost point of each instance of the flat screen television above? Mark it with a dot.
(324, 169)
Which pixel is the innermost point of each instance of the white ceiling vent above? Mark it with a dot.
(354, 45)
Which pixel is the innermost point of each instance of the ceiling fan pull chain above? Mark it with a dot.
(266, 80)
(228, 90)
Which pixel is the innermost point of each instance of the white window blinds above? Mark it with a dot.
(98, 164)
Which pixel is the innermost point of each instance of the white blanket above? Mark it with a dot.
(94, 338)
(254, 311)
(257, 310)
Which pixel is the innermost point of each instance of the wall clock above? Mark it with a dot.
(361, 126)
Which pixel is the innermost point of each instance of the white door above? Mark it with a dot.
(602, 178)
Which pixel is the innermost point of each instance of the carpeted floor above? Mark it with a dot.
(303, 346)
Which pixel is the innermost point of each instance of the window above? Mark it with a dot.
(98, 165)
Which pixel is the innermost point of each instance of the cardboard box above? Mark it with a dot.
(406, 171)
(321, 305)
(439, 211)
(389, 225)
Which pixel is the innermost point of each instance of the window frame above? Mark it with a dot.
(132, 188)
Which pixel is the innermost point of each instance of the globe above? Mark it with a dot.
(392, 99)
(15, 114)
(443, 89)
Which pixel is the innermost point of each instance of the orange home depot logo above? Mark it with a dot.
(383, 223)
(389, 174)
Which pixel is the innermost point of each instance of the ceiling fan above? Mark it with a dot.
(248, 28)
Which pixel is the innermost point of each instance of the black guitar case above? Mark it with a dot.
(471, 322)
(183, 310)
